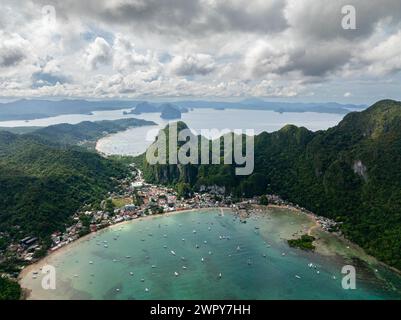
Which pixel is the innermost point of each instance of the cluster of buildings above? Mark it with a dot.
(143, 199)
(26, 248)
(148, 199)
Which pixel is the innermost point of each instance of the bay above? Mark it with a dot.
(223, 259)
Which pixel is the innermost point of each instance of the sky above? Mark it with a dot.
(278, 50)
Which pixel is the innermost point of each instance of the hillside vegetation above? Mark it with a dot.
(351, 173)
(42, 184)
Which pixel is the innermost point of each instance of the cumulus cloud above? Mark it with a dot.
(50, 74)
(192, 64)
(125, 56)
(284, 57)
(385, 57)
(99, 52)
(12, 49)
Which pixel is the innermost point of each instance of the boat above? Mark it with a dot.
(106, 246)
(194, 231)
(165, 247)
(142, 280)
(205, 242)
(264, 255)
(90, 262)
(202, 259)
(297, 276)
(197, 246)
(210, 252)
(238, 248)
(283, 254)
(176, 274)
(183, 239)
(127, 257)
(310, 265)
(118, 290)
(184, 267)
(318, 272)
(220, 275)
(182, 258)
(131, 273)
(146, 289)
(172, 252)
(153, 266)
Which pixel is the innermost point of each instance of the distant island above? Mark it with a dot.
(166, 110)
(144, 107)
(170, 112)
(26, 109)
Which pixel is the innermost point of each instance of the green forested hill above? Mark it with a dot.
(351, 172)
(42, 184)
(87, 131)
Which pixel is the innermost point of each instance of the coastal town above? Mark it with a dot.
(135, 198)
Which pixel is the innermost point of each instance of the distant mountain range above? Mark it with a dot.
(257, 104)
(35, 109)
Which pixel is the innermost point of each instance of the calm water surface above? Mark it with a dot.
(253, 259)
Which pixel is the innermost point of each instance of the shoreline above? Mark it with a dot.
(99, 140)
(353, 246)
(76, 242)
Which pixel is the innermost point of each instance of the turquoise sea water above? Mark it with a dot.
(138, 262)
